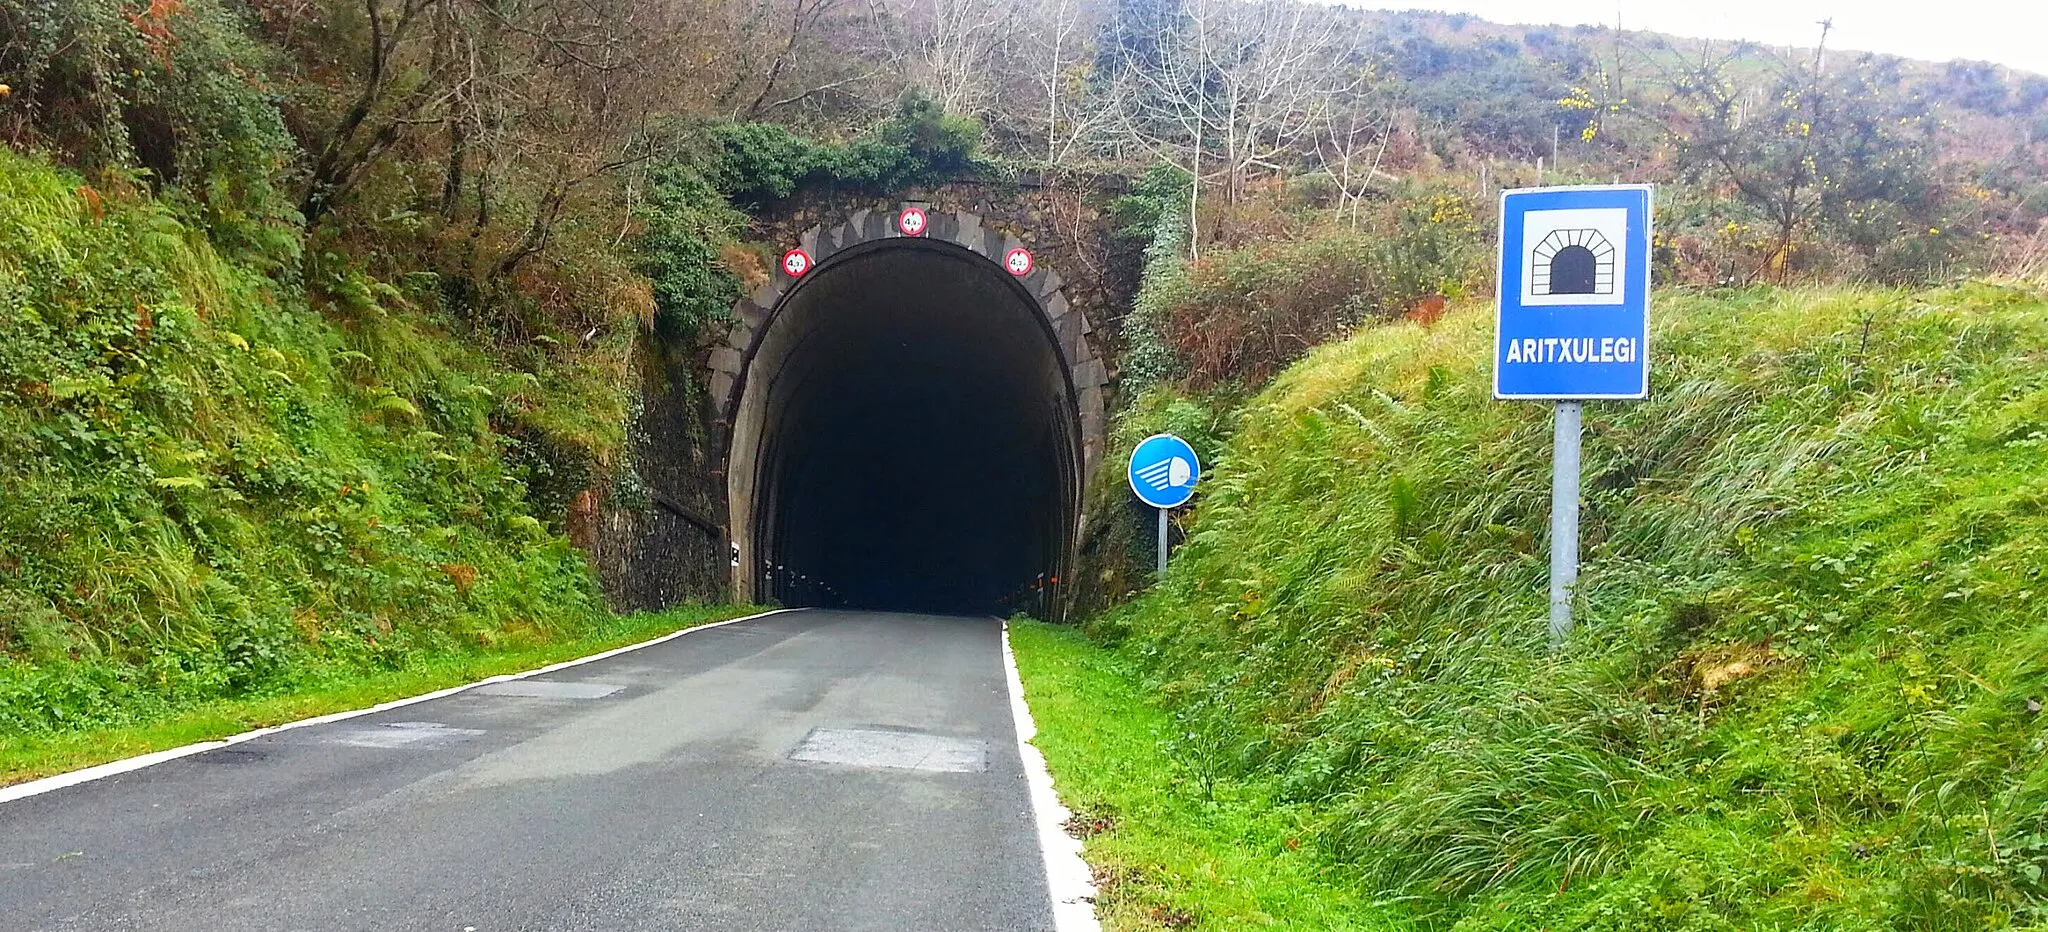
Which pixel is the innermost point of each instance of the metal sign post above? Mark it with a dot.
(1162, 542)
(1564, 519)
(1163, 473)
(1573, 326)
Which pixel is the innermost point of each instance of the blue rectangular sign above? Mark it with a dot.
(1574, 307)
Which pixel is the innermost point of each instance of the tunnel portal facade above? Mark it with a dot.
(906, 422)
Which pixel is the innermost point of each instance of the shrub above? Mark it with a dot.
(688, 230)
(756, 164)
(1156, 200)
(175, 88)
(1147, 356)
(1238, 316)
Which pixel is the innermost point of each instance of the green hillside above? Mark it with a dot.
(211, 488)
(1806, 688)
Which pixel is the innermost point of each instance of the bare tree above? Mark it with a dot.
(1077, 108)
(806, 51)
(1353, 143)
(1233, 89)
(377, 116)
(958, 45)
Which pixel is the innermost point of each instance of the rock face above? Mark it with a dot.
(660, 535)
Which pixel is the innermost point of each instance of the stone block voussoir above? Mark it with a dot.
(1090, 371)
(1049, 284)
(973, 238)
(721, 390)
(1056, 306)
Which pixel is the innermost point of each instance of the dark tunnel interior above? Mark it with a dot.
(916, 446)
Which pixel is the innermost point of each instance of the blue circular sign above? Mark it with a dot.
(1164, 471)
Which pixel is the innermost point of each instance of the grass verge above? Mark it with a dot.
(1172, 845)
(28, 757)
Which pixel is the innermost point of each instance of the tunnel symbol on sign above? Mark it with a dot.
(1166, 474)
(1577, 261)
(1574, 257)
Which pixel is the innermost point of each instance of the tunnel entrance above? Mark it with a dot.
(906, 438)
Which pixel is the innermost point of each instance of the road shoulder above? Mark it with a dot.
(33, 765)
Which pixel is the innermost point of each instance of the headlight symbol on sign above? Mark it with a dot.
(1167, 474)
(1164, 470)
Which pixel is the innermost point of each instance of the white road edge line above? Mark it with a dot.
(1066, 874)
(127, 765)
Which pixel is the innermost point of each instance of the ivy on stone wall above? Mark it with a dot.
(757, 164)
(1155, 211)
(688, 226)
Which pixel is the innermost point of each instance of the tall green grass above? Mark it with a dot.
(1165, 850)
(1807, 683)
(209, 488)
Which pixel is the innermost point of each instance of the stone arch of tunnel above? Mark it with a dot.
(907, 424)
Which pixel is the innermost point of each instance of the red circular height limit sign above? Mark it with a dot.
(796, 262)
(912, 221)
(1018, 261)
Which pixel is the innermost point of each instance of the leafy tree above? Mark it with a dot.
(1840, 154)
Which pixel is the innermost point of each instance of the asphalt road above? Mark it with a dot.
(804, 771)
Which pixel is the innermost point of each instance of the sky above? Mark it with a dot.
(2009, 32)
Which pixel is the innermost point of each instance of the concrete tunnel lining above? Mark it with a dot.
(907, 435)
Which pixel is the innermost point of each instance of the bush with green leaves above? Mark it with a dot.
(757, 164)
(173, 93)
(1235, 317)
(1154, 201)
(1806, 690)
(685, 225)
(1148, 358)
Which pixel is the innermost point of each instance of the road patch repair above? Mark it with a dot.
(392, 735)
(889, 748)
(546, 689)
(808, 769)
